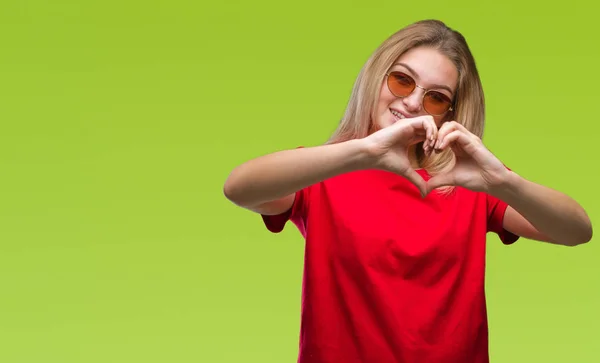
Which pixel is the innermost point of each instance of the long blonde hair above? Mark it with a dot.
(469, 104)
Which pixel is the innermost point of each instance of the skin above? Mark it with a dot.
(535, 211)
(418, 63)
(428, 67)
(267, 184)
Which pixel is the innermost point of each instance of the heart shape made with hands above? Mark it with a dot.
(476, 168)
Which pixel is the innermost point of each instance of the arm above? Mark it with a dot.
(534, 211)
(268, 183)
(540, 213)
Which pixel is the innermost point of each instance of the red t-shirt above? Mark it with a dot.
(390, 277)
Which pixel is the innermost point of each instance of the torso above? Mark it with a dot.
(390, 276)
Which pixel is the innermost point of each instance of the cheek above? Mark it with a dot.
(385, 96)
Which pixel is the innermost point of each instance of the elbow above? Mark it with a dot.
(233, 191)
(587, 236)
(230, 191)
(575, 242)
(588, 232)
(583, 233)
(582, 238)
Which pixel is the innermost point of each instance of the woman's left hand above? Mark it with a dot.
(476, 167)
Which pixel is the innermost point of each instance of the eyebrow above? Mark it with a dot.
(416, 74)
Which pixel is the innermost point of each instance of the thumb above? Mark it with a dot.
(439, 181)
(417, 180)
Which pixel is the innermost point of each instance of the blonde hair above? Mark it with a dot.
(469, 103)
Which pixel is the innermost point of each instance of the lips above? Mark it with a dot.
(397, 114)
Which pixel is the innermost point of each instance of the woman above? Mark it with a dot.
(396, 206)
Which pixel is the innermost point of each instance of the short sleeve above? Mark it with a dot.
(495, 220)
(297, 214)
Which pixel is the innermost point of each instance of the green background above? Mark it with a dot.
(121, 120)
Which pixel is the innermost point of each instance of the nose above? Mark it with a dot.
(413, 102)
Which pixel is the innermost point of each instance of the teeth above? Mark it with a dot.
(397, 114)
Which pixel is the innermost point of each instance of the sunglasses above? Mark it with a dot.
(402, 85)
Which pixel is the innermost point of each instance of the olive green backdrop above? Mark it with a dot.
(121, 120)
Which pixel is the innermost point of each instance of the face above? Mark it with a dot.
(431, 71)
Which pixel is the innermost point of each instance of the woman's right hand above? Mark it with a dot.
(268, 183)
(390, 146)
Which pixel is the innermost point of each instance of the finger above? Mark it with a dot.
(430, 131)
(454, 125)
(417, 180)
(420, 129)
(417, 137)
(454, 138)
(426, 147)
(428, 136)
(446, 128)
(426, 128)
(434, 136)
(427, 124)
(455, 128)
(419, 121)
(410, 128)
(438, 181)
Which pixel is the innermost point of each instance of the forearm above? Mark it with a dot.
(279, 174)
(552, 213)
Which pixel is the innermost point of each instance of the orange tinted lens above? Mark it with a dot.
(400, 84)
(436, 103)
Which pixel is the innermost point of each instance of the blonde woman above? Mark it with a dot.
(396, 206)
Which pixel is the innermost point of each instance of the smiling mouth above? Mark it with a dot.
(397, 115)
